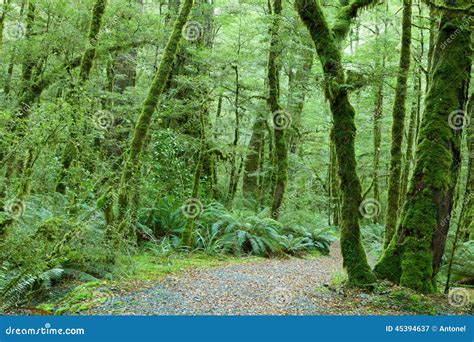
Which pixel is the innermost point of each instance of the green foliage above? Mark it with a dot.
(463, 263)
(48, 248)
(373, 238)
(164, 219)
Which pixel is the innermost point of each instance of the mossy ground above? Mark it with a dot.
(389, 299)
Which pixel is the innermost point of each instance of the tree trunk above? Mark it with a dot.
(398, 126)
(94, 28)
(233, 178)
(414, 254)
(297, 87)
(335, 188)
(467, 216)
(132, 163)
(5, 9)
(327, 47)
(70, 150)
(378, 112)
(280, 165)
(187, 238)
(252, 161)
(414, 115)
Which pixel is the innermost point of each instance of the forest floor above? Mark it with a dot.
(295, 286)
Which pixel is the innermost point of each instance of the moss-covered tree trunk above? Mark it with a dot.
(377, 130)
(70, 152)
(252, 160)
(280, 164)
(5, 9)
(414, 254)
(132, 163)
(233, 177)
(187, 238)
(398, 125)
(328, 49)
(414, 115)
(94, 28)
(335, 188)
(297, 87)
(467, 217)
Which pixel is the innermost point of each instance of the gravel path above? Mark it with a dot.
(268, 287)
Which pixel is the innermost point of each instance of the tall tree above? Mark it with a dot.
(298, 79)
(327, 43)
(70, 152)
(398, 125)
(280, 164)
(132, 163)
(414, 254)
(378, 113)
(88, 57)
(411, 136)
(252, 161)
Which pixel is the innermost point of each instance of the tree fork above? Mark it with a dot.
(344, 130)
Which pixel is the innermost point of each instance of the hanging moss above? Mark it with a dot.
(344, 131)
(398, 125)
(132, 163)
(414, 254)
(346, 14)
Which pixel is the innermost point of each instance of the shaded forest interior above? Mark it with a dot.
(138, 130)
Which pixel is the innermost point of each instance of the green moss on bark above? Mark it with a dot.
(344, 131)
(414, 254)
(398, 125)
(132, 163)
(94, 28)
(281, 150)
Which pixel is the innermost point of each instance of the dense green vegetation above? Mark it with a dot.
(139, 138)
